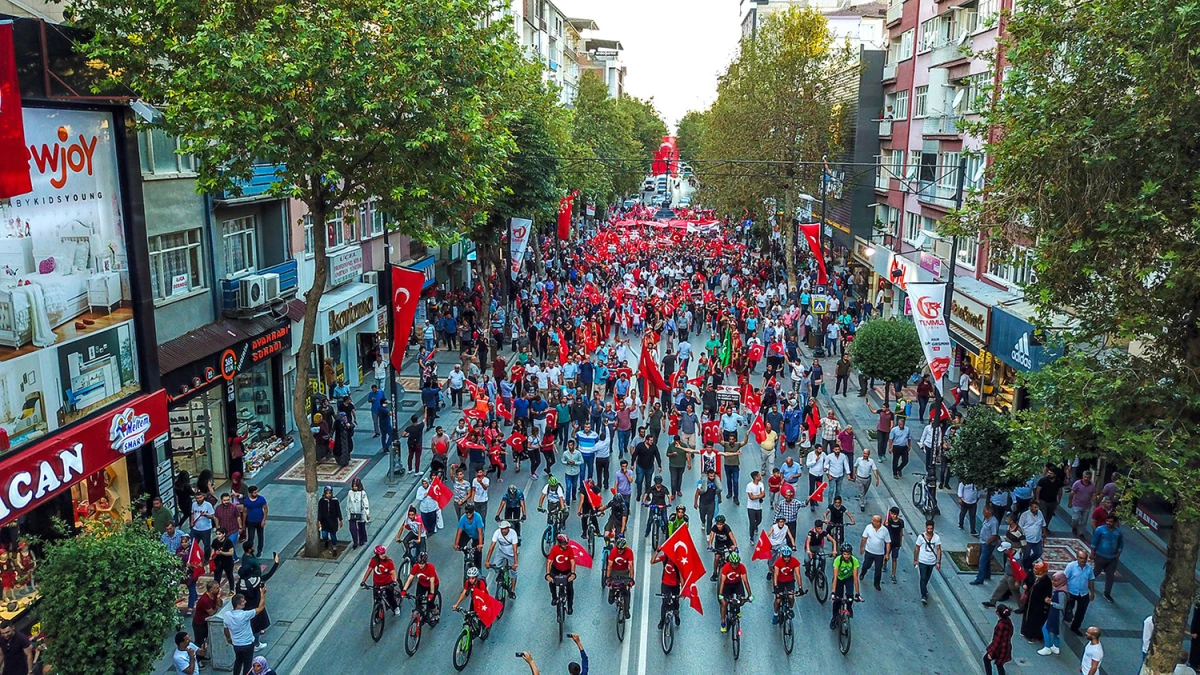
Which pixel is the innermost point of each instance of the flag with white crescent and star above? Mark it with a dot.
(681, 551)
(487, 607)
(406, 293)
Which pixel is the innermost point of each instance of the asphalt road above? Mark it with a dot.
(893, 631)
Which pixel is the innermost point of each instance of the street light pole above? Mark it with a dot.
(389, 294)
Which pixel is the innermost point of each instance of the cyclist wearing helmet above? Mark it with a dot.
(784, 576)
(658, 497)
(560, 566)
(508, 541)
(472, 583)
(424, 573)
(845, 579)
(587, 511)
(512, 507)
(382, 571)
(734, 581)
(618, 514)
(620, 572)
(720, 541)
(470, 534)
(680, 517)
(554, 494)
(814, 541)
(669, 588)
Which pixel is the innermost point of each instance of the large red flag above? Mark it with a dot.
(592, 497)
(650, 370)
(814, 421)
(475, 414)
(14, 171)
(406, 293)
(819, 494)
(759, 429)
(693, 595)
(762, 550)
(681, 550)
(710, 432)
(564, 217)
(1018, 571)
(756, 352)
(812, 233)
(473, 388)
(563, 352)
(487, 607)
(582, 558)
(503, 411)
(440, 493)
(516, 442)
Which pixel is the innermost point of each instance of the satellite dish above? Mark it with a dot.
(958, 98)
(979, 172)
(963, 38)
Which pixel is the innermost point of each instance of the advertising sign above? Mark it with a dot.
(518, 241)
(345, 265)
(929, 315)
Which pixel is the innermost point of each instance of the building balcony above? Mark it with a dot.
(895, 11)
(936, 195)
(885, 128)
(942, 125)
(553, 65)
(883, 180)
(950, 52)
(889, 72)
(261, 179)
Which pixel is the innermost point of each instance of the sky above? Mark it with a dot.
(674, 49)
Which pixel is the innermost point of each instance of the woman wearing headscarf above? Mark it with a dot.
(1053, 625)
(320, 431)
(1037, 603)
(343, 439)
(260, 667)
(359, 508)
(999, 651)
(250, 584)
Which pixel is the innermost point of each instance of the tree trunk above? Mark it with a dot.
(789, 235)
(1175, 595)
(534, 252)
(312, 298)
(483, 255)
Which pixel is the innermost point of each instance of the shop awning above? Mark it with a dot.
(296, 309)
(211, 339)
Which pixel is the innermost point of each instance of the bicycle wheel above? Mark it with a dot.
(412, 639)
(501, 593)
(820, 586)
(656, 536)
(620, 620)
(378, 612)
(604, 570)
(562, 617)
(735, 633)
(668, 633)
(592, 543)
(547, 540)
(844, 635)
(404, 567)
(789, 635)
(918, 494)
(462, 649)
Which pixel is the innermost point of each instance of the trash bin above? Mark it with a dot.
(220, 652)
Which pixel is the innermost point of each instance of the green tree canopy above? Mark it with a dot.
(691, 134)
(980, 450)
(648, 126)
(601, 129)
(888, 350)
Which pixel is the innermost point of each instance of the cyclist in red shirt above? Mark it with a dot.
(785, 578)
(425, 574)
(734, 581)
(382, 571)
(669, 589)
(560, 564)
(620, 572)
(472, 583)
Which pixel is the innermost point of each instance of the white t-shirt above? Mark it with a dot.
(778, 535)
(554, 496)
(505, 544)
(877, 540)
(481, 489)
(1092, 652)
(964, 381)
(754, 494)
(554, 372)
(182, 658)
(543, 379)
(927, 548)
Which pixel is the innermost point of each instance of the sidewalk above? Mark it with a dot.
(1140, 571)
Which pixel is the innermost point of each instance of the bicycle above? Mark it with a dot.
(504, 584)
(472, 627)
(616, 585)
(818, 577)
(555, 523)
(424, 613)
(379, 609)
(658, 525)
(610, 538)
(669, 620)
(837, 532)
(468, 551)
(733, 620)
(720, 560)
(558, 597)
(922, 494)
(590, 527)
(787, 603)
(843, 624)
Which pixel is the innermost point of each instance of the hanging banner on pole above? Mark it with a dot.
(812, 233)
(14, 172)
(518, 241)
(564, 215)
(929, 315)
(406, 295)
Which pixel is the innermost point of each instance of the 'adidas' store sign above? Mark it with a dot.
(1020, 352)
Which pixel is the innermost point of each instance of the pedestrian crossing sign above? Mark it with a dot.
(820, 304)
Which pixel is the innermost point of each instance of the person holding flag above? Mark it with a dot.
(669, 587)
(482, 602)
(589, 509)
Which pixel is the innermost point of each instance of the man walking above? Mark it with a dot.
(1081, 590)
(837, 467)
(898, 440)
(875, 547)
(1107, 544)
(1033, 525)
(989, 540)
(756, 492)
(863, 472)
(238, 631)
(927, 556)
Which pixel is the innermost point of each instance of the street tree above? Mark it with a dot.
(602, 130)
(349, 100)
(108, 595)
(648, 127)
(778, 101)
(690, 134)
(888, 350)
(1095, 172)
(979, 452)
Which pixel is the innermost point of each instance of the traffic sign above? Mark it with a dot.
(820, 304)
(820, 289)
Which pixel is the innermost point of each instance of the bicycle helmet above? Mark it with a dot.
(380, 550)
(552, 482)
(846, 548)
(621, 543)
(786, 551)
(733, 558)
(422, 558)
(720, 520)
(472, 572)
(681, 509)
(504, 525)
(562, 540)
(658, 480)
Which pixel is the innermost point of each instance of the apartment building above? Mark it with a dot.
(861, 22)
(554, 40)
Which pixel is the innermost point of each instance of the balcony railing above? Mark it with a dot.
(889, 72)
(883, 179)
(288, 281)
(885, 128)
(949, 51)
(895, 11)
(942, 125)
(263, 176)
(935, 194)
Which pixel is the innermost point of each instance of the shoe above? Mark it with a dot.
(1045, 651)
(627, 615)
(661, 623)
(1108, 597)
(723, 628)
(832, 624)
(960, 527)
(878, 588)
(975, 583)
(988, 603)
(1018, 610)
(512, 595)
(1054, 649)
(736, 502)
(260, 646)
(570, 610)
(862, 507)
(893, 578)
(396, 612)
(774, 619)
(924, 600)
(677, 623)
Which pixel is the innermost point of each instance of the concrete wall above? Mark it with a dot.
(172, 205)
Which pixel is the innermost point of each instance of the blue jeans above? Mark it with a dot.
(387, 434)
(428, 344)
(835, 488)
(656, 513)
(926, 572)
(589, 467)
(192, 594)
(1033, 551)
(330, 537)
(985, 562)
(642, 478)
(233, 539)
(731, 480)
(622, 441)
(572, 486)
(1051, 640)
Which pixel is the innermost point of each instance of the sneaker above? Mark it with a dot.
(661, 623)
(512, 595)
(988, 603)
(1045, 651)
(1108, 597)
(570, 610)
(924, 600)
(832, 624)
(723, 628)
(1054, 649)
(260, 646)
(396, 612)
(677, 623)
(774, 619)
(893, 578)
(975, 583)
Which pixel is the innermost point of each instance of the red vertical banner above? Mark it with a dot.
(564, 217)
(406, 293)
(14, 170)
(812, 232)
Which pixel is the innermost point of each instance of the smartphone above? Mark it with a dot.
(520, 655)
(572, 635)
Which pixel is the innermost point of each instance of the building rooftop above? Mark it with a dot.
(871, 9)
(583, 24)
(594, 44)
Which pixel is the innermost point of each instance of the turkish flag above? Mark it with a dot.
(516, 442)
(753, 402)
(762, 550)
(195, 554)
(693, 596)
(440, 493)
(470, 445)
(778, 348)
(487, 607)
(812, 233)
(502, 411)
(475, 414)
(814, 420)
(564, 217)
(592, 497)
(681, 551)
(473, 388)
(756, 352)
(1017, 570)
(711, 432)
(759, 429)
(552, 419)
(650, 370)
(563, 352)
(819, 493)
(14, 172)
(406, 293)
(580, 554)
(672, 425)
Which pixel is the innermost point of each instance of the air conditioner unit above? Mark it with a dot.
(252, 291)
(371, 277)
(941, 248)
(271, 286)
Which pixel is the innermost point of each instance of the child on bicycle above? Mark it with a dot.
(425, 574)
(845, 579)
(835, 520)
(382, 571)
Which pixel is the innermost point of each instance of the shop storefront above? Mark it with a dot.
(968, 332)
(1019, 346)
(346, 321)
(230, 400)
(894, 273)
(92, 471)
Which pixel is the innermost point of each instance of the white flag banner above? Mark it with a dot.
(929, 314)
(518, 241)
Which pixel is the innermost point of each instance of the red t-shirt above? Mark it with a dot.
(786, 568)
(670, 576)
(518, 373)
(774, 483)
(733, 575)
(478, 584)
(560, 559)
(382, 570)
(621, 559)
(205, 606)
(426, 575)
(1099, 516)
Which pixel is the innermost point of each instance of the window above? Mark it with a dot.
(897, 163)
(977, 87)
(967, 250)
(948, 171)
(906, 44)
(156, 152)
(920, 106)
(975, 169)
(988, 9)
(928, 35)
(336, 235)
(1013, 268)
(901, 110)
(308, 234)
(912, 226)
(379, 220)
(914, 163)
(238, 238)
(176, 264)
(349, 226)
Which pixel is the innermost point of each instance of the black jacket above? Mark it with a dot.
(329, 514)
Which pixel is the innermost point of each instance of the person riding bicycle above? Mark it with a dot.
(412, 534)
(734, 581)
(618, 514)
(659, 498)
(845, 578)
(553, 499)
(470, 534)
(720, 541)
(560, 567)
(835, 520)
(508, 541)
(587, 512)
(382, 571)
(425, 574)
(512, 507)
(815, 541)
(680, 517)
(784, 577)
(620, 572)
(779, 535)
(669, 588)
(472, 583)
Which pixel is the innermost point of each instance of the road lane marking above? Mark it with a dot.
(642, 642)
(637, 517)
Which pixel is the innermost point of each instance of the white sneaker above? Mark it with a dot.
(1045, 651)
(1054, 649)
(260, 646)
